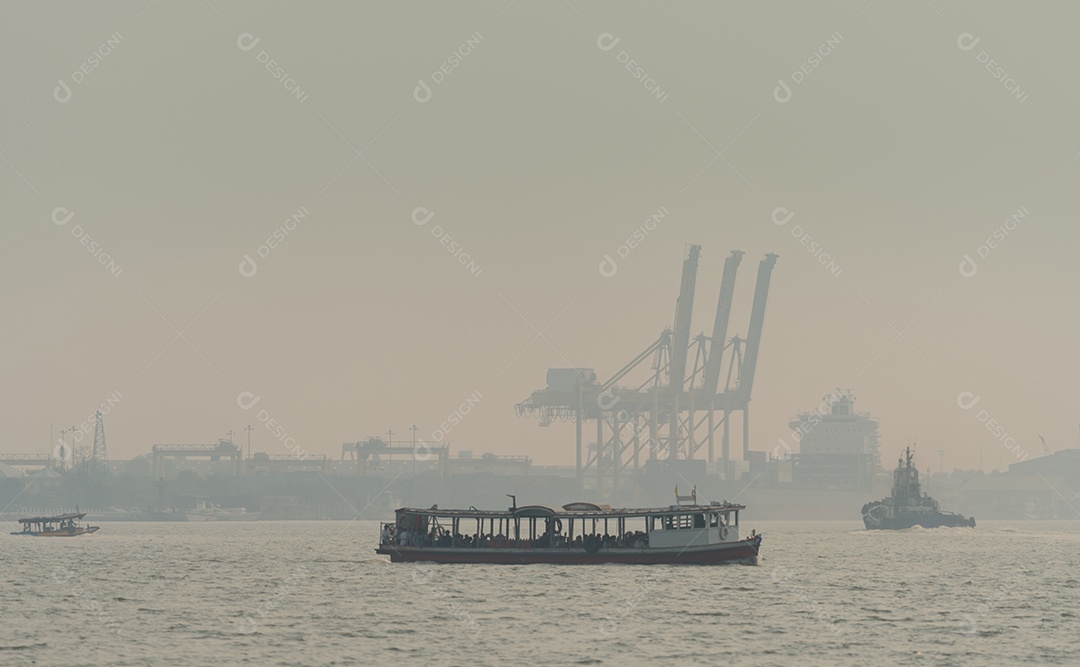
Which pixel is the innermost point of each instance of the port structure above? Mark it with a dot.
(28, 460)
(490, 463)
(375, 452)
(666, 414)
(224, 449)
(372, 450)
(272, 463)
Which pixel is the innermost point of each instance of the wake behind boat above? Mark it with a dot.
(61, 525)
(577, 533)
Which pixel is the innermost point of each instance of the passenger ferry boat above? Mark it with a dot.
(61, 525)
(577, 533)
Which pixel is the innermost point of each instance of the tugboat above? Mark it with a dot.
(908, 506)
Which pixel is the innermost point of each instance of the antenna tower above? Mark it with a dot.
(100, 454)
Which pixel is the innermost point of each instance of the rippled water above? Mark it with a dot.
(313, 593)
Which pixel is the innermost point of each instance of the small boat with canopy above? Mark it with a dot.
(60, 525)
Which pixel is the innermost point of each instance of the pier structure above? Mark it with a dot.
(224, 449)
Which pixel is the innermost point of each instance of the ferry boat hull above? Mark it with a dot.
(744, 551)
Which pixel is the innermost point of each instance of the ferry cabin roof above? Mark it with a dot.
(580, 510)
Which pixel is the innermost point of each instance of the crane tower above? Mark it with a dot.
(666, 413)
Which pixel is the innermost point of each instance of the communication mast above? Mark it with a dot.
(99, 457)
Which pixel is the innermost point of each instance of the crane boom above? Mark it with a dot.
(683, 309)
(681, 341)
(720, 326)
(757, 321)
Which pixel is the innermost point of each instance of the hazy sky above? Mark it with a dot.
(539, 152)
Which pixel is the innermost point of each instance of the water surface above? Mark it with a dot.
(314, 593)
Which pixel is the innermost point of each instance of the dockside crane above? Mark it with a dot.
(718, 342)
(660, 413)
(753, 345)
(684, 307)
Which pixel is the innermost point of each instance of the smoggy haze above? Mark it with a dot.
(538, 149)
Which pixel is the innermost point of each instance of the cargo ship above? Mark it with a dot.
(578, 533)
(908, 506)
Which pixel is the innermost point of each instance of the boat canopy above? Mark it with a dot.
(536, 510)
(578, 510)
(586, 507)
(50, 519)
